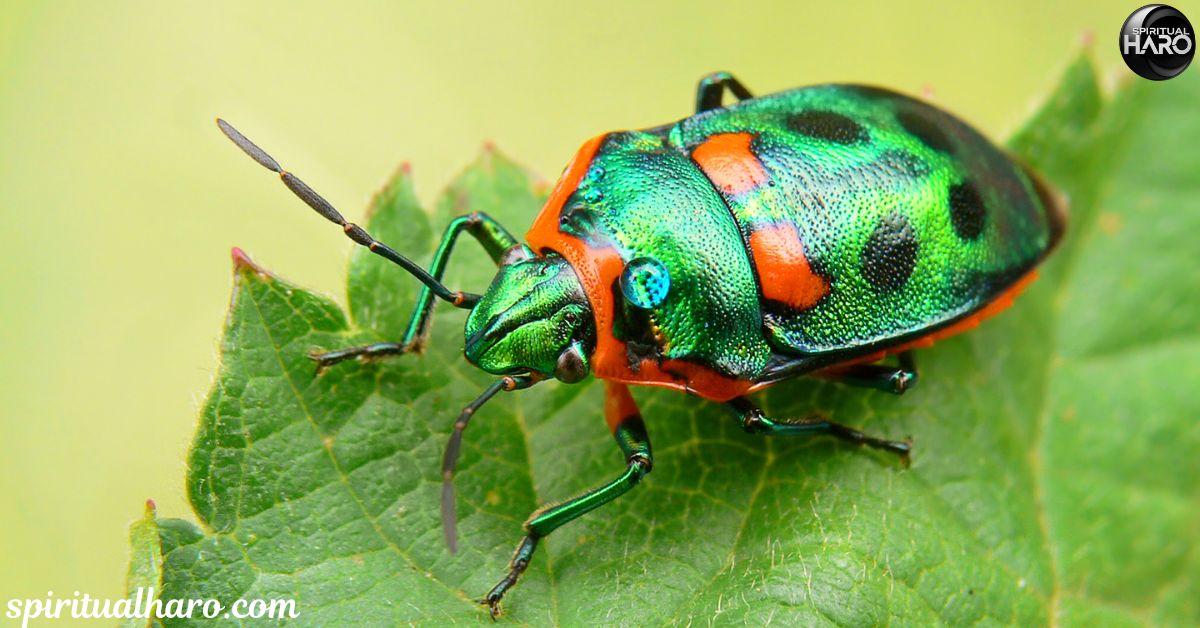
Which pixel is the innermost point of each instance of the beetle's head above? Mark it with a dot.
(534, 317)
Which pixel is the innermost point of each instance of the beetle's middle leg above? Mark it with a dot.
(755, 421)
(627, 427)
(496, 240)
(895, 380)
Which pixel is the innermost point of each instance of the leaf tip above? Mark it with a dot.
(398, 189)
(1087, 38)
(242, 262)
(240, 258)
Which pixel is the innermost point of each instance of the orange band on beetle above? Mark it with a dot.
(727, 161)
(783, 269)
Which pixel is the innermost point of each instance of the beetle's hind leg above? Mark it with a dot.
(711, 90)
(494, 238)
(891, 379)
(755, 421)
(627, 427)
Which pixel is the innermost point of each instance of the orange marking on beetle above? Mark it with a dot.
(728, 162)
(783, 269)
(618, 404)
(971, 321)
(598, 269)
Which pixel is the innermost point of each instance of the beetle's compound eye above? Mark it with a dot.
(645, 282)
(572, 365)
(516, 253)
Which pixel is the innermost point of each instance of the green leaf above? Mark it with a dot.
(143, 580)
(375, 291)
(1053, 479)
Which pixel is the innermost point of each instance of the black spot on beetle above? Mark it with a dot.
(926, 130)
(890, 254)
(967, 212)
(828, 126)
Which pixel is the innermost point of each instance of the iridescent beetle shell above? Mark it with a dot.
(814, 227)
(818, 228)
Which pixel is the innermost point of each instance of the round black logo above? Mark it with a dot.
(1157, 42)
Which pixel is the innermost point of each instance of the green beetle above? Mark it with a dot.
(813, 231)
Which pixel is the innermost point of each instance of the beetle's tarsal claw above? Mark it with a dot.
(902, 381)
(324, 360)
(321, 364)
(493, 607)
(903, 449)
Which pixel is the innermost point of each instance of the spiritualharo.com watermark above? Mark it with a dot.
(144, 604)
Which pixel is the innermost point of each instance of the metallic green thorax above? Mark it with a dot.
(649, 200)
(913, 218)
(533, 317)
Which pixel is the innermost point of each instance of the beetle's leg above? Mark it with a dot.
(496, 240)
(325, 359)
(627, 427)
(754, 421)
(712, 88)
(878, 376)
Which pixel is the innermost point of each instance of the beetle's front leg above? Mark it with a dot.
(627, 427)
(496, 240)
(755, 421)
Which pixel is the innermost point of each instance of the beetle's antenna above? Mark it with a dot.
(454, 448)
(450, 462)
(464, 300)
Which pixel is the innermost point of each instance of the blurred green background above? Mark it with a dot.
(120, 198)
